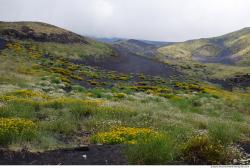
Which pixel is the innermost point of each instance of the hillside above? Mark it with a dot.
(54, 40)
(138, 47)
(232, 48)
(68, 99)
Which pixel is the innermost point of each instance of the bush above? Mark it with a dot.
(121, 135)
(223, 133)
(120, 95)
(98, 93)
(200, 150)
(81, 110)
(64, 123)
(15, 129)
(19, 108)
(27, 94)
(151, 150)
(78, 88)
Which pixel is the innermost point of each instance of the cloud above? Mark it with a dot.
(168, 20)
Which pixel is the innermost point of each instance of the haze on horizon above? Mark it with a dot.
(163, 20)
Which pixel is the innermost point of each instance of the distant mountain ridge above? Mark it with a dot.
(116, 39)
(108, 40)
(144, 48)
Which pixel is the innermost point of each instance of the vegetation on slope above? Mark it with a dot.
(233, 46)
(186, 50)
(70, 104)
(54, 40)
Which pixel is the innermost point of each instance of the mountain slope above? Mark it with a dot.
(232, 48)
(137, 47)
(38, 32)
(54, 40)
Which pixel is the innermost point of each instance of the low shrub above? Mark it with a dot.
(16, 129)
(81, 110)
(189, 86)
(120, 95)
(23, 108)
(61, 102)
(121, 135)
(78, 88)
(151, 150)
(200, 150)
(224, 133)
(27, 94)
(65, 125)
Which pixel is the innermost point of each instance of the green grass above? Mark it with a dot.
(152, 150)
(223, 132)
(77, 51)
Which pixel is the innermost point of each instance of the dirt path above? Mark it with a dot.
(91, 155)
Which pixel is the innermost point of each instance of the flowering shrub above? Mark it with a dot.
(199, 150)
(120, 95)
(22, 94)
(189, 86)
(28, 93)
(5, 98)
(12, 129)
(65, 100)
(121, 135)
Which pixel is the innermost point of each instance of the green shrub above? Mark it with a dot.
(177, 131)
(15, 129)
(56, 80)
(65, 124)
(224, 133)
(98, 93)
(78, 88)
(237, 116)
(151, 150)
(55, 104)
(200, 150)
(120, 95)
(19, 108)
(81, 110)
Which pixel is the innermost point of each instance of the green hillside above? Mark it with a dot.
(233, 47)
(54, 40)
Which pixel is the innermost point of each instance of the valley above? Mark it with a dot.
(70, 99)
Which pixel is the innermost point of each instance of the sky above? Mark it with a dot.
(161, 20)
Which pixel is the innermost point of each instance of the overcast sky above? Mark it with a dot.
(167, 20)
